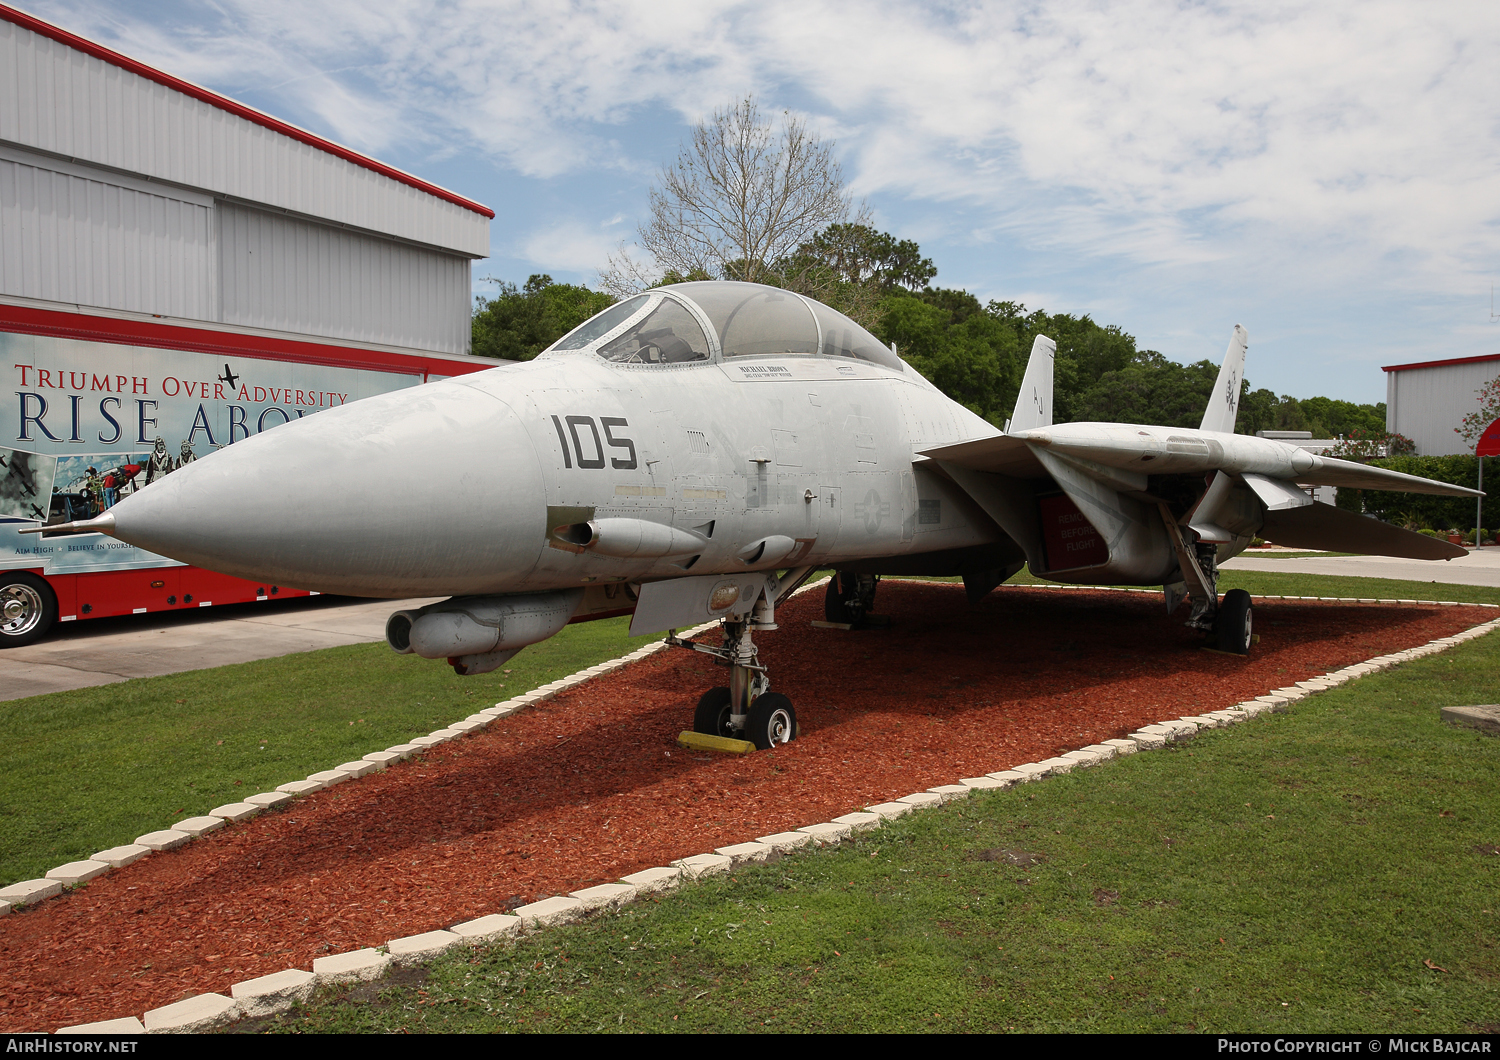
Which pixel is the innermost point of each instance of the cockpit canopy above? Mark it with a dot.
(691, 321)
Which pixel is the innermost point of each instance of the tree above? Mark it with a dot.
(1473, 425)
(519, 324)
(740, 197)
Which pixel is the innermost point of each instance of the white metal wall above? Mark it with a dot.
(291, 275)
(1425, 404)
(67, 238)
(57, 99)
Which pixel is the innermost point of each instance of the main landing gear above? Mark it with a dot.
(1227, 622)
(849, 598)
(747, 709)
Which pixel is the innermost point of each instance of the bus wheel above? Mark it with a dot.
(28, 608)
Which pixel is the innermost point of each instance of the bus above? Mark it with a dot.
(101, 406)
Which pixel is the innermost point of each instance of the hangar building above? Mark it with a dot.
(1425, 401)
(125, 190)
(179, 272)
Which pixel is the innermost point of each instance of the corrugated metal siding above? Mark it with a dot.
(57, 99)
(293, 275)
(1425, 404)
(66, 238)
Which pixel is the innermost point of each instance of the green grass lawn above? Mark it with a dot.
(1330, 869)
(86, 770)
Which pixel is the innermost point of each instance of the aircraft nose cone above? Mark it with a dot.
(428, 491)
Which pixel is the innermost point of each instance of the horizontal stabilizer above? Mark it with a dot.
(1324, 527)
(1331, 471)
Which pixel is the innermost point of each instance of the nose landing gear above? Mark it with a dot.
(747, 709)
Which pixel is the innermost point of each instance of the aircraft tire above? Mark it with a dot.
(1232, 625)
(772, 721)
(28, 609)
(712, 716)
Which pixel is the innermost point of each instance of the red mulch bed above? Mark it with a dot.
(590, 785)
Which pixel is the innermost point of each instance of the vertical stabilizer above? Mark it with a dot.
(1034, 402)
(1224, 402)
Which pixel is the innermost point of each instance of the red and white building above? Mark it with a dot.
(177, 272)
(1426, 400)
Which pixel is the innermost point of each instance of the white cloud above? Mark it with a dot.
(1305, 143)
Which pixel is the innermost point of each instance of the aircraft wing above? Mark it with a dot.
(1004, 455)
(1221, 486)
(1143, 449)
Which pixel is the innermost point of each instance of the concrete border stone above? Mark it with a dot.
(267, 800)
(356, 966)
(703, 865)
(859, 821)
(488, 928)
(277, 992)
(165, 839)
(785, 841)
(191, 1015)
(417, 949)
(549, 911)
(126, 1025)
(827, 833)
(29, 892)
(299, 787)
(362, 768)
(654, 880)
(745, 853)
(119, 857)
(76, 872)
(234, 812)
(604, 896)
(197, 826)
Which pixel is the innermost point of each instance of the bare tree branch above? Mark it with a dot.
(739, 199)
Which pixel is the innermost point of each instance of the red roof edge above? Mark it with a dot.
(187, 88)
(26, 320)
(1435, 364)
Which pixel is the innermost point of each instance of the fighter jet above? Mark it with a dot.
(694, 453)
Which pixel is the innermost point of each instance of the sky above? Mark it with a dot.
(1326, 174)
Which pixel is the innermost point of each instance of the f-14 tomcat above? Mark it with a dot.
(695, 453)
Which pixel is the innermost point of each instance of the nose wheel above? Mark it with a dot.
(773, 721)
(747, 709)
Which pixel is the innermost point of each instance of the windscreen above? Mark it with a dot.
(667, 335)
(602, 324)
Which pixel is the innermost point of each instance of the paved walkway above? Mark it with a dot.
(107, 650)
(1480, 567)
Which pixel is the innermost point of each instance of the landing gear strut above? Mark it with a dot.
(747, 709)
(1227, 622)
(850, 597)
